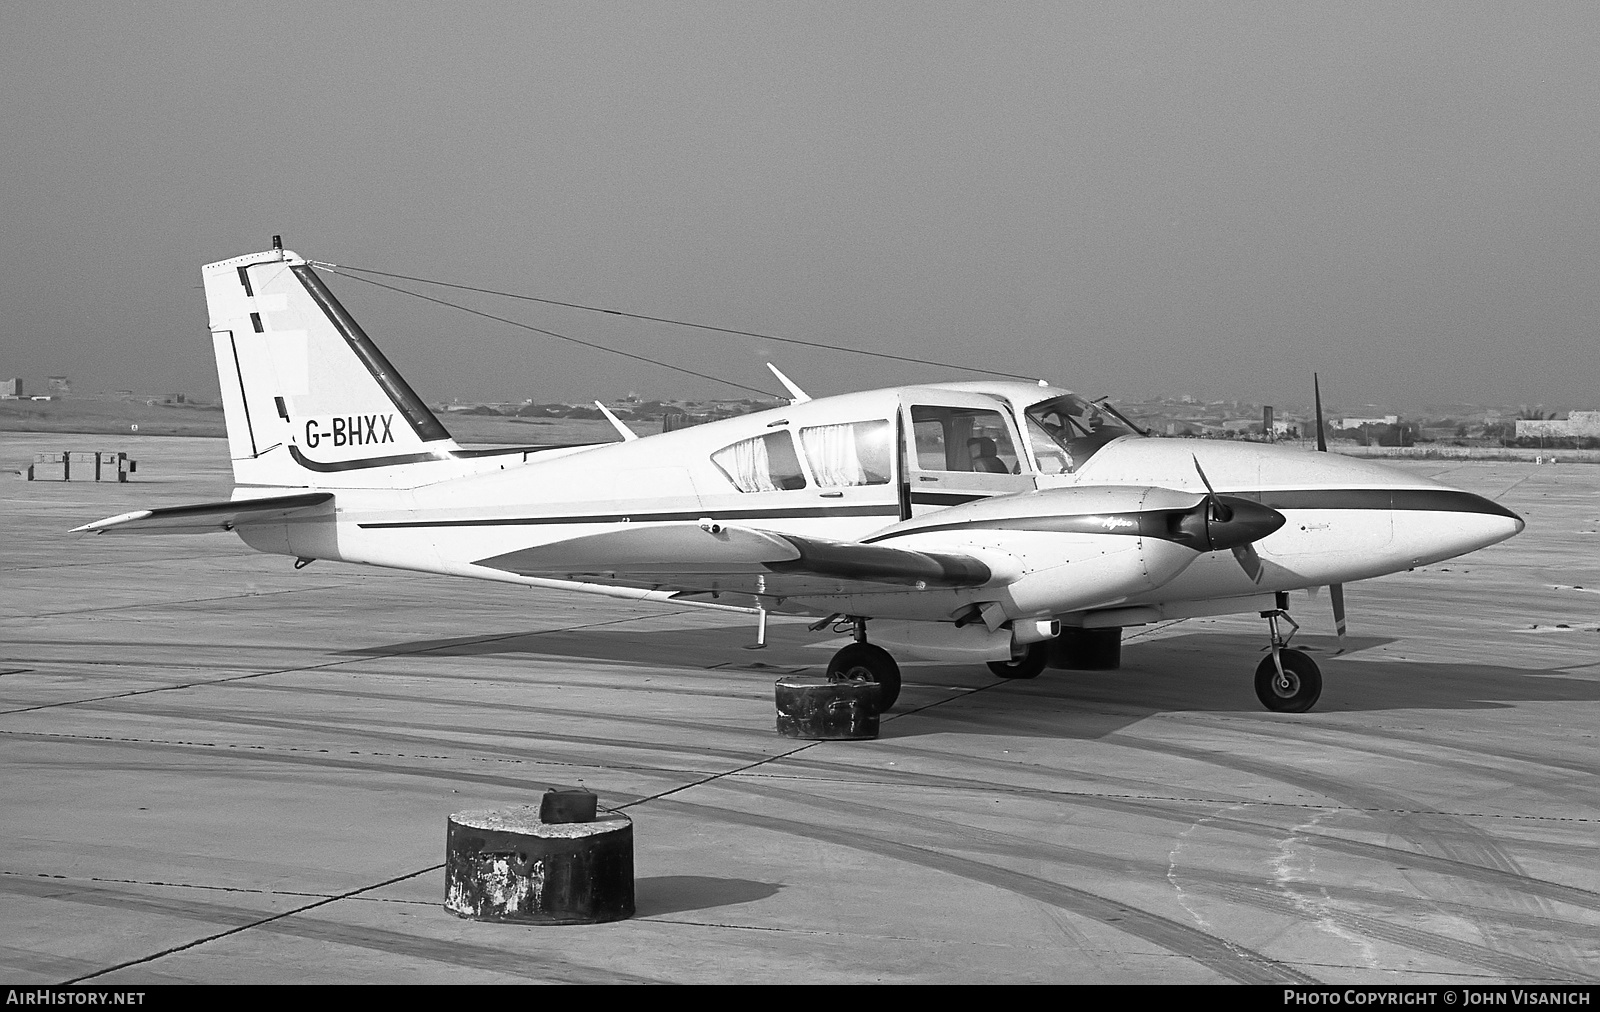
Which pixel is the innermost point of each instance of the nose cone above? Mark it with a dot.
(1442, 523)
(1467, 502)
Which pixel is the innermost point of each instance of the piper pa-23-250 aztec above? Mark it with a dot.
(1004, 522)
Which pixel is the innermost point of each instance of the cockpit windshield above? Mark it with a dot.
(1066, 431)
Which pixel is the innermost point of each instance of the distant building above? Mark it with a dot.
(10, 389)
(60, 386)
(1577, 424)
(1356, 423)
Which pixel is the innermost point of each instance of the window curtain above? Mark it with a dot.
(746, 465)
(832, 452)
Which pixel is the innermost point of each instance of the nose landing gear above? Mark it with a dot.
(863, 662)
(1287, 681)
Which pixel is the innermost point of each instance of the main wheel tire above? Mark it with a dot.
(1027, 666)
(863, 662)
(1301, 685)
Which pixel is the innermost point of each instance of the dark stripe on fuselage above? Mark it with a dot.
(1147, 524)
(408, 458)
(1436, 500)
(352, 465)
(947, 498)
(1194, 527)
(883, 510)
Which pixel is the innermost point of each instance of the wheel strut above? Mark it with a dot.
(1280, 641)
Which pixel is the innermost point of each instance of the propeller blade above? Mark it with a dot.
(1218, 510)
(1316, 391)
(1336, 595)
(1249, 561)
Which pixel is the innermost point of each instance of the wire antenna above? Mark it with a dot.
(334, 268)
(731, 331)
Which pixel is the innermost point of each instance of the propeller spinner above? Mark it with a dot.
(1234, 524)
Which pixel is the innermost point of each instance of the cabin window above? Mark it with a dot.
(764, 464)
(963, 439)
(854, 453)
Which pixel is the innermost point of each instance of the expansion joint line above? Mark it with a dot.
(436, 867)
(747, 767)
(309, 667)
(252, 924)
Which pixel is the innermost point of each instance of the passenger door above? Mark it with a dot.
(961, 447)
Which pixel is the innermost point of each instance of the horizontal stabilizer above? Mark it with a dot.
(692, 558)
(202, 518)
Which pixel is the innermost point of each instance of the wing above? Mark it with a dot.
(207, 516)
(717, 559)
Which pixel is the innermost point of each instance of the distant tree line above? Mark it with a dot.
(643, 411)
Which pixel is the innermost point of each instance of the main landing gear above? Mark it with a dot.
(1287, 681)
(862, 662)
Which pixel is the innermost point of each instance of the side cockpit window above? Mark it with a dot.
(962, 439)
(764, 464)
(853, 453)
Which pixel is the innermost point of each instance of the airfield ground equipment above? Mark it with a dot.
(80, 465)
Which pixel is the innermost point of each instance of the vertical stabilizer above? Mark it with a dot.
(309, 399)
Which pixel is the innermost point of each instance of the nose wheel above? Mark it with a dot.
(1287, 680)
(1293, 689)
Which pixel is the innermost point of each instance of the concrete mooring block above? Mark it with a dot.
(821, 710)
(514, 864)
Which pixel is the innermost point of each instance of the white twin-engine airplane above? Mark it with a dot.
(991, 521)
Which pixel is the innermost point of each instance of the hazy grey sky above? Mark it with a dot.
(1137, 199)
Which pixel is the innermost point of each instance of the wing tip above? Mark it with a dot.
(101, 526)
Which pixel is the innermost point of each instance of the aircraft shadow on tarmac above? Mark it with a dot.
(1212, 673)
(1200, 672)
(677, 648)
(676, 894)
